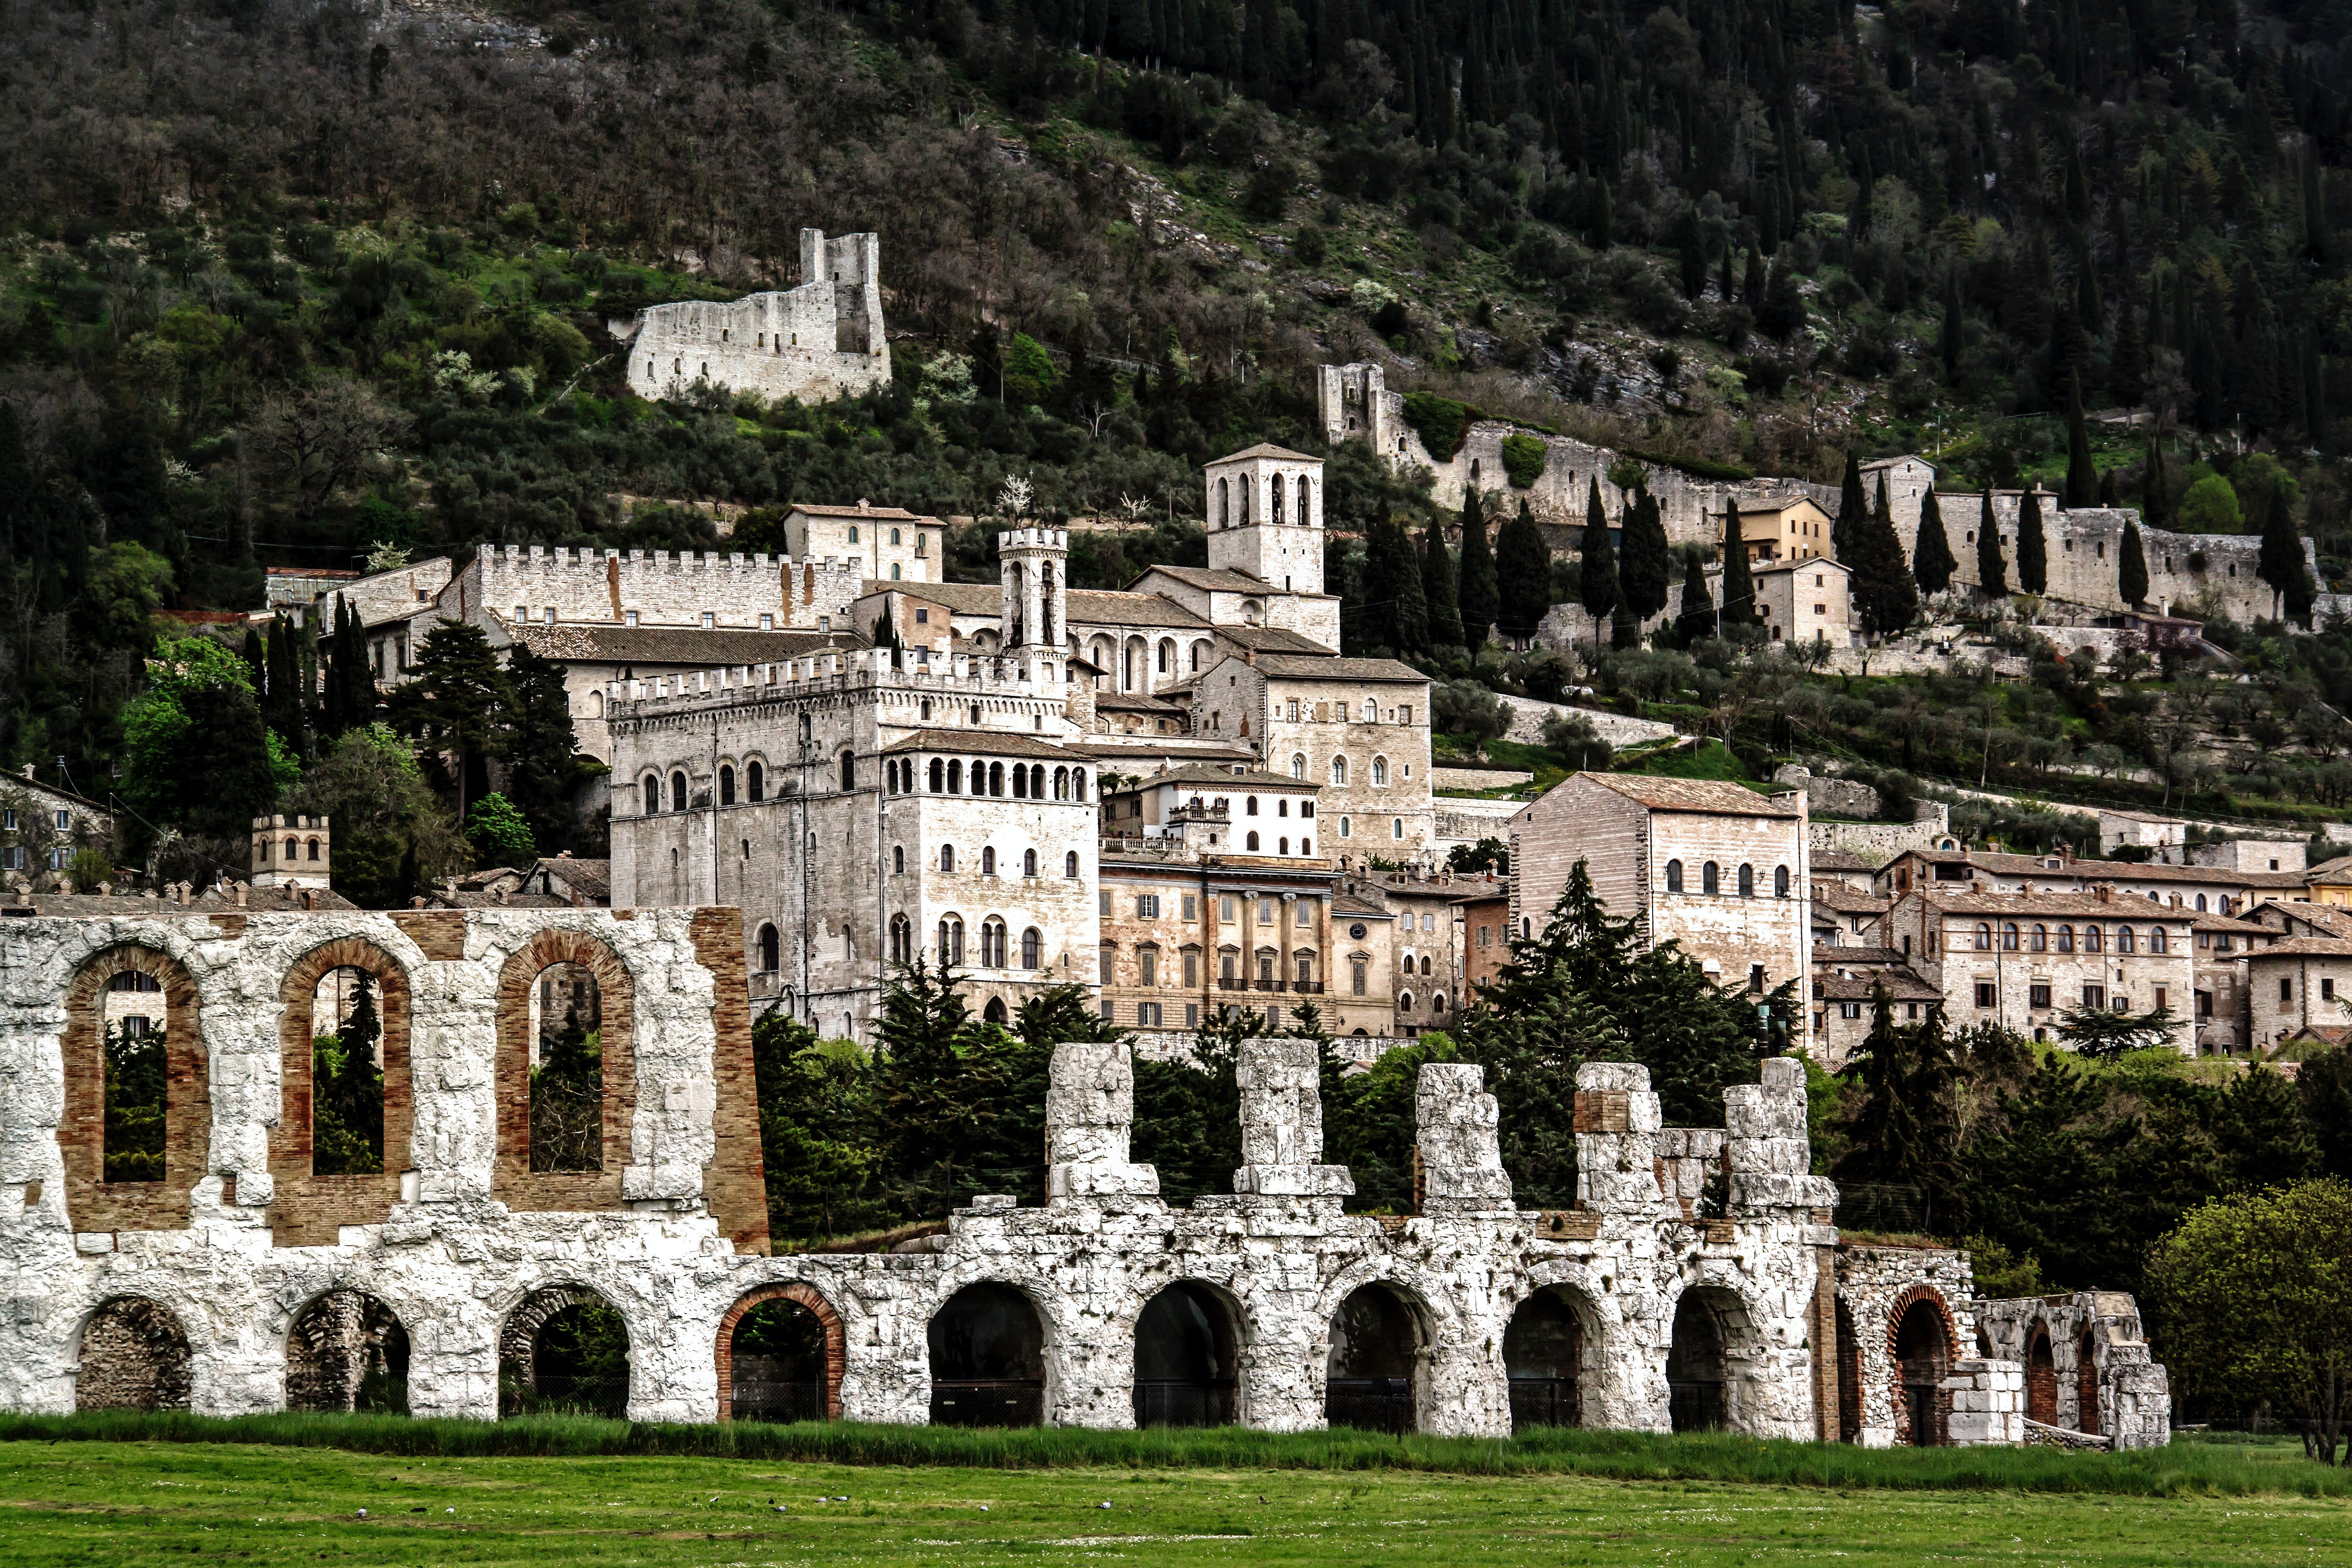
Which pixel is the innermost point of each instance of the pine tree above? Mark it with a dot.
(2127, 364)
(2081, 474)
(1698, 618)
(1438, 588)
(281, 701)
(457, 703)
(1523, 568)
(1645, 572)
(540, 747)
(2153, 499)
(1883, 587)
(2131, 574)
(1480, 598)
(1410, 612)
(1599, 563)
(1853, 512)
(1908, 1130)
(1751, 283)
(2032, 549)
(1992, 572)
(1738, 582)
(1931, 554)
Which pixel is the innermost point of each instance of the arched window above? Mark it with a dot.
(1028, 862)
(1710, 878)
(1984, 937)
(770, 950)
(1371, 711)
(2125, 940)
(1077, 784)
(950, 938)
(2200, 903)
(1746, 880)
(1167, 656)
(848, 772)
(1379, 770)
(1252, 843)
(1780, 881)
(996, 778)
(1340, 770)
(853, 533)
(726, 784)
(2156, 939)
(1674, 876)
(947, 857)
(2040, 939)
(1033, 948)
(2093, 939)
(1224, 503)
(902, 939)
(955, 777)
(2228, 905)
(755, 780)
(898, 858)
(293, 849)
(677, 792)
(988, 860)
(1021, 781)
(313, 847)
(1305, 511)
(1299, 765)
(894, 536)
(652, 794)
(2065, 939)
(1249, 806)
(2009, 936)
(939, 776)
(992, 944)
(1070, 864)
(1283, 847)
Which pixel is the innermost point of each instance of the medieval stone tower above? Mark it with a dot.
(291, 852)
(1034, 565)
(1264, 510)
(820, 341)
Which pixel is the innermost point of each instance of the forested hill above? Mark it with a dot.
(280, 282)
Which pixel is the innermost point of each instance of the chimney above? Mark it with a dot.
(1249, 656)
(240, 895)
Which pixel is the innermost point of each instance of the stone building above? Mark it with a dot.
(1845, 985)
(1633, 1309)
(1784, 529)
(2088, 1370)
(2019, 960)
(2295, 983)
(1482, 915)
(1358, 727)
(891, 543)
(41, 826)
(1808, 599)
(2201, 890)
(820, 341)
(1428, 985)
(1713, 866)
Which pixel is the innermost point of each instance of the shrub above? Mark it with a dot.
(1696, 467)
(1572, 735)
(2211, 506)
(1523, 458)
(1440, 422)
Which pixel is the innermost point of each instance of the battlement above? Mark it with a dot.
(661, 587)
(1033, 539)
(962, 675)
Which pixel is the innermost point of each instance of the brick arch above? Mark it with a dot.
(836, 1342)
(131, 1353)
(92, 1203)
(307, 1209)
(512, 1181)
(1895, 1312)
(519, 1335)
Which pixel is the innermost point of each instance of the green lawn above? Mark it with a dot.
(134, 1503)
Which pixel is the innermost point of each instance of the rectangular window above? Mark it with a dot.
(2094, 996)
(1191, 969)
(2037, 996)
(1109, 956)
(1109, 1011)
(1103, 900)
(65, 821)
(1484, 936)
(1266, 912)
(767, 622)
(628, 617)
(922, 616)
(1305, 912)
(1147, 1015)
(1147, 906)
(1147, 964)
(1356, 977)
(2204, 1004)
(2159, 996)
(1849, 1009)
(1404, 715)
(1226, 911)
(1192, 1015)
(1191, 906)
(2326, 991)
(2286, 990)
(1986, 994)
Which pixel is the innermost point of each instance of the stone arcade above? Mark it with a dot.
(241, 1280)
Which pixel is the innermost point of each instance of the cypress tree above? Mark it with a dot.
(1438, 588)
(1931, 553)
(281, 703)
(1523, 570)
(1409, 611)
(2127, 365)
(2131, 576)
(2153, 501)
(1992, 574)
(1646, 570)
(1751, 284)
(1698, 618)
(1478, 596)
(2032, 549)
(1739, 583)
(1853, 512)
(2081, 474)
(2280, 561)
(1889, 600)
(1600, 587)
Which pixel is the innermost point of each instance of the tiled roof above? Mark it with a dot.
(2032, 867)
(1323, 667)
(1225, 778)
(2148, 817)
(1902, 985)
(1217, 579)
(2305, 947)
(963, 598)
(2234, 928)
(1351, 904)
(2075, 905)
(689, 647)
(1264, 450)
(893, 513)
(996, 743)
(2336, 870)
(1117, 607)
(1798, 563)
(1272, 639)
(1846, 900)
(1840, 860)
(1687, 794)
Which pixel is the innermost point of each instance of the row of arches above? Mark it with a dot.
(1234, 501)
(2041, 938)
(1340, 767)
(995, 945)
(781, 1352)
(1710, 879)
(1027, 781)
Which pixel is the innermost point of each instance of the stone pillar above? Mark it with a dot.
(1767, 1149)
(1617, 1122)
(1282, 1123)
(1987, 1404)
(1461, 1158)
(1089, 1115)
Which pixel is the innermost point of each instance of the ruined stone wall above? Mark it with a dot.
(2130, 1396)
(1876, 1284)
(821, 341)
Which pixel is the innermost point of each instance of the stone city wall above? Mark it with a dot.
(821, 341)
(664, 588)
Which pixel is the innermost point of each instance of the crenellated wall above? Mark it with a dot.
(820, 341)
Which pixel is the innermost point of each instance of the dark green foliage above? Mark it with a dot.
(1188, 1114)
(2033, 544)
(541, 752)
(1648, 559)
(2279, 562)
(2081, 474)
(1439, 591)
(1902, 1126)
(1523, 575)
(1992, 571)
(347, 1092)
(2155, 497)
(1852, 512)
(1698, 618)
(1738, 582)
(1931, 556)
(1883, 586)
(2324, 1085)
(1440, 422)
(1597, 560)
(1481, 595)
(1696, 467)
(1398, 565)
(2100, 1032)
(2131, 572)
(498, 835)
(1470, 709)
(456, 703)
(567, 1096)
(135, 1067)
(1523, 458)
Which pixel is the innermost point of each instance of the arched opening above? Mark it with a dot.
(1849, 1371)
(1543, 1356)
(346, 1075)
(1368, 1377)
(2041, 1379)
(134, 1356)
(995, 1012)
(772, 949)
(2086, 1386)
(1185, 1359)
(1695, 1365)
(567, 1069)
(1923, 1357)
(343, 1140)
(564, 1350)
(988, 1360)
(566, 1081)
(347, 1352)
(136, 1128)
(781, 1352)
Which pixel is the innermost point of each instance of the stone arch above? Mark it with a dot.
(346, 1350)
(92, 1203)
(1553, 1353)
(512, 1181)
(1378, 1344)
(1903, 1384)
(989, 1348)
(307, 1209)
(1188, 1337)
(132, 1354)
(836, 1341)
(522, 1379)
(1715, 1352)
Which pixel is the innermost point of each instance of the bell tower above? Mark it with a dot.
(1033, 563)
(1265, 517)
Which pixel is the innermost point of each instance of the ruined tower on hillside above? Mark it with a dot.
(820, 341)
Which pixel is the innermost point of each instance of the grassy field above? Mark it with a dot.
(138, 1503)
